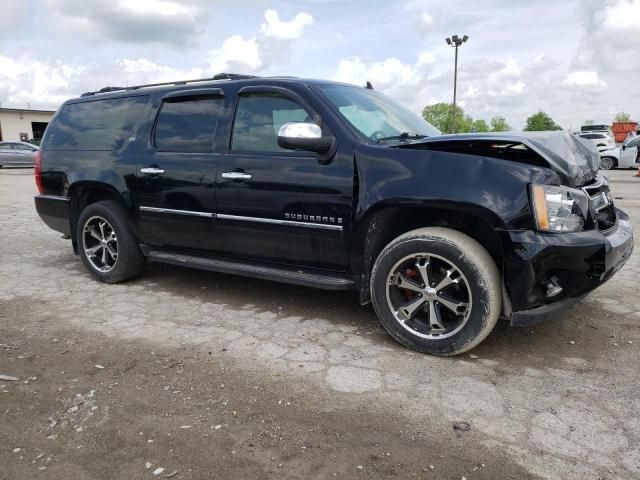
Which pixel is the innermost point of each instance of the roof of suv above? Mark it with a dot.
(221, 78)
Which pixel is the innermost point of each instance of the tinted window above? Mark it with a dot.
(634, 143)
(19, 146)
(95, 125)
(187, 125)
(258, 119)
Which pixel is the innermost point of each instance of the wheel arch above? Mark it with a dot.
(384, 224)
(83, 193)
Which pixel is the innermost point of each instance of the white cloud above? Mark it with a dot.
(237, 55)
(143, 70)
(623, 15)
(134, 21)
(272, 42)
(425, 22)
(426, 58)
(26, 81)
(153, 7)
(388, 73)
(289, 30)
(584, 78)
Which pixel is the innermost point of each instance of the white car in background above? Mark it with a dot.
(625, 156)
(602, 140)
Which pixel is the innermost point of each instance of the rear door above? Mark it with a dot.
(175, 187)
(280, 205)
(24, 154)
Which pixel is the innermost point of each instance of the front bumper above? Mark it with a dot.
(54, 211)
(577, 262)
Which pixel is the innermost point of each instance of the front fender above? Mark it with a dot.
(493, 188)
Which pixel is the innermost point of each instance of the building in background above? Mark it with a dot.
(17, 124)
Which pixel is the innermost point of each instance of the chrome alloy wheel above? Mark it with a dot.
(606, 163)
(100, 244)
(429, 296)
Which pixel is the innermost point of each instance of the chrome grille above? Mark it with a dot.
(601, 204)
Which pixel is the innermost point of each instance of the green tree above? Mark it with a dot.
(439, 115)
(622, 117)
(479, 126)
(541, 122)
(499, 124)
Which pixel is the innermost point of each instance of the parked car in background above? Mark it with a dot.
(602, 140)
(17, 153)
(595, 128)
(625, 156)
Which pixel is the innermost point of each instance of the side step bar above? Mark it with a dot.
(323, 280)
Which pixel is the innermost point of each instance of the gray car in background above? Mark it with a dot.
(17, 153)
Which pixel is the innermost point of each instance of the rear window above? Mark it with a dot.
(95, 125)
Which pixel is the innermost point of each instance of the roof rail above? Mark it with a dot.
(219, 76)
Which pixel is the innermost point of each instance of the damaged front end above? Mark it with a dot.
(582, 245)
(576, 161)
(577, 239)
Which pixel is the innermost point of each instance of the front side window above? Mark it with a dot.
(375, 115)
(187, 125)
(258, 119)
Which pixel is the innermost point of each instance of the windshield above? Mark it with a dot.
(376, 116)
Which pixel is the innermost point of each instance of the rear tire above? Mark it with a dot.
(437, 291)
(108, 247)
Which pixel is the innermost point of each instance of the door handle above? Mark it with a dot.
(152, 171)
(237, 175)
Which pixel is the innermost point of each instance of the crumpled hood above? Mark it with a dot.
(574, 159)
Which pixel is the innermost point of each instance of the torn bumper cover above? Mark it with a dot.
(547, 273)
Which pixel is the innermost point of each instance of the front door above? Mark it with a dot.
(629, 153)
(280, 205)
(176, 176)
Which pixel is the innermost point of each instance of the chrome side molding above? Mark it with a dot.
(240, 218)
(177, 212)
(273, 221)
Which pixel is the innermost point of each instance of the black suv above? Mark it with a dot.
(337, 187)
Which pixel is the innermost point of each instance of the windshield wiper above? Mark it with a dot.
(402, 136)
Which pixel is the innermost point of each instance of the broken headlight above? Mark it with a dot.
(559, 209)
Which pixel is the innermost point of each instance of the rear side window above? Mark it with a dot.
(258, 119)
(95, 125)
(187, 125)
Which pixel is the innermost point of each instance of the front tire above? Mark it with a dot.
(607, 163)
(437, 291)
(108, 247)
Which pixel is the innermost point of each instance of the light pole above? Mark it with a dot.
(455, 41)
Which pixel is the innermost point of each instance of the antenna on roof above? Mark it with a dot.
(369, 86)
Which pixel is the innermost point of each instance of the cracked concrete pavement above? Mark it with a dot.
(559, 399)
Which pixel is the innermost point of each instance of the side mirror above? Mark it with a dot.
(304, 136)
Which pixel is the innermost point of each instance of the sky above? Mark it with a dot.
(577, 60)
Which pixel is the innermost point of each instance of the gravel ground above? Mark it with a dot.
(215, 376)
